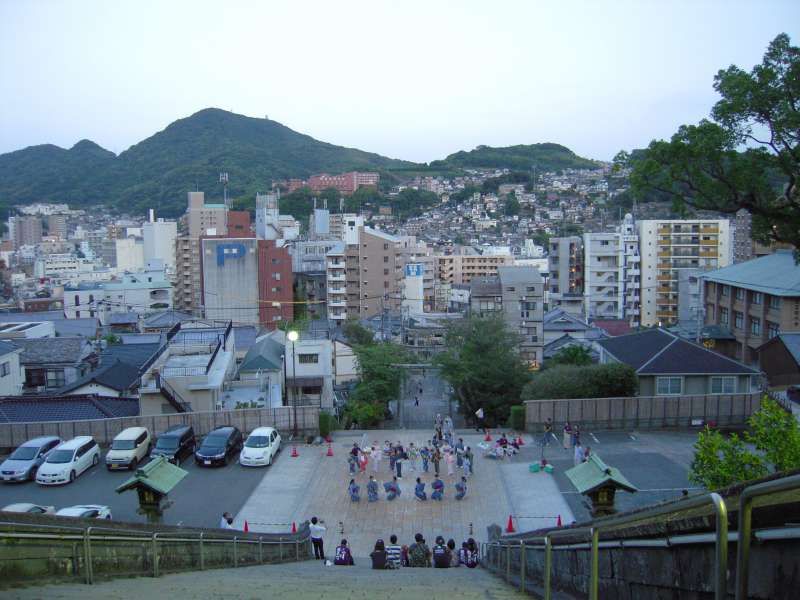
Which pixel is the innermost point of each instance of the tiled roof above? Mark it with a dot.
(134, 355)
(115, 375)
(21, 409)
(7, 347)
(560, 320)
(166, 319)
(485, 286)
(265, 354)
(635, 349)
(613, 327)
(28, 317)
(52, 350)
(123, 318)
(791, 340)
(244, 336)
(777, 274)
(84, 327)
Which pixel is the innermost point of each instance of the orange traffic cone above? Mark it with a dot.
(510, 526)
(294, 527)
(330, 450)
(488, 437)
(246, 527)
(294, 452)
(558, 522)
(519, 441)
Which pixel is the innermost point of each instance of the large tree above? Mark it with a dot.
(484, 367)
(746, 156)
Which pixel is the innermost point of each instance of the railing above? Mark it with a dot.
(66, 552)
(174, 398)
(548, 541)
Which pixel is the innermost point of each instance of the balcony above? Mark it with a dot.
(664, 254)
(337, 277)
(664, 230)
(337, 303)
(709, 243)
(338, 315)
(665, 278)
(710, 229)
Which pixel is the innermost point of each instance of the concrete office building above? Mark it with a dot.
(205, 219)
(668, 246)
(466, 263)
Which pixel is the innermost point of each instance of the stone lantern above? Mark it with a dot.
(599, 482)
(152, 483)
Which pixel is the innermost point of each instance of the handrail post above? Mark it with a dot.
(260, 550)
(594, 581)
(743, 543)
(202, 552)
(235, 554)
(522, 566)
(508, 563)
(297, 550)
(721, 587)
(548, 559)
(87, 552)
(155, 555)
(280, 548)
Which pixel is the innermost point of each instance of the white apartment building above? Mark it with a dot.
(612, 274)
(52, 265)
(159, 241)
(669, 246)
(130, 254)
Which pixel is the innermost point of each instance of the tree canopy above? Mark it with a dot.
(747, 155)
(572, 381)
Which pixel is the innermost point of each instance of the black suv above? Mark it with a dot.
(218, 446)
(176, 444)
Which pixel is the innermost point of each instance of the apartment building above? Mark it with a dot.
(465, 264)
(669, 246)
(565, 285)
(187, 274)
(612, 274)
(756, 300)
(57, 226)
(25, 230)
(205, 219)
(158, 239)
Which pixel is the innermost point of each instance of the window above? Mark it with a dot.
(306, 359)
(724, 290)
(77, 314)
(55, 378)
(77, 300)
(773, 329)
(669, 386)
(723, 385)
(312, 390)
(755, 326)
(738, 320)
(5, 369)
(34, 377)
(530, 288)
(757, 298)
(276, 276)
(723, 316)
(774, 302)
(739, 294)
(386, 246)
(386, 259)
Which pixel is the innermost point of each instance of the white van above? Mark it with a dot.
(129, 448)
(261, 446)
(68, 460)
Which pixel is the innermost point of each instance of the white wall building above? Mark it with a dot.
(159, 241)
(130, 254)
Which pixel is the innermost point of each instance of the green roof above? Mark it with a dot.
(159, 475)
(777, 274)
(265, 355)
(594, 473)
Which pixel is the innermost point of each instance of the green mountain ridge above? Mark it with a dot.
(191, 152)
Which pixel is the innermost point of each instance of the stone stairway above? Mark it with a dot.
(308, 579)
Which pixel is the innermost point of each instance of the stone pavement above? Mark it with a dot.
(292, 580)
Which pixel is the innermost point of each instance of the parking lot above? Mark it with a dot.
(198, 500)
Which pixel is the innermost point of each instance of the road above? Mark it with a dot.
(433, 400)
(199, 500)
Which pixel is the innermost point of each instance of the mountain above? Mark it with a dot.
(190, 153)
(545, 157)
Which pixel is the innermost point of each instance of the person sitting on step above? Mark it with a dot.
(343, 556)
(379, 556)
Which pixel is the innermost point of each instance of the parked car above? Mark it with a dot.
(260, 449)
(26, 459)
(219, 446)
(68, 460)
(176, 444)
(85, 511)
(27, 507)
(129, 448)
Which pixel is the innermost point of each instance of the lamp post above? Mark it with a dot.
(292, 337)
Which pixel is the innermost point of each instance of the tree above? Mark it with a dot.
(746, 156)
(379, 382)
(483, 366)
(775, 436)
(512, 204)
(571, 355)
(570, 381)
(357, 334)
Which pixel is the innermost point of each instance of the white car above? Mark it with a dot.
(85, 511)
(27, 507)
(260, 449)
(67, 461)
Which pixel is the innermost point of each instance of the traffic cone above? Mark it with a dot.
(294, 527)
(294, 452)
(519, 441)
(246, 527)
(330, 450)
(488, 437)
(558, 522)
(510, 526)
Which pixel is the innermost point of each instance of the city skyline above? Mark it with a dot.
(416, 83)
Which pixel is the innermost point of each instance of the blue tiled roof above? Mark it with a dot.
(134, 355)
(115, 375)
(21, 409)
(776, 274)
(6, 347)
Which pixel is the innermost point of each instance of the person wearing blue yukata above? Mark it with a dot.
(438, 489)
(419, 490)
(392, 489)
(460, 452)
(372, 490)
(354, 490)
(425, 454)
(461, 489)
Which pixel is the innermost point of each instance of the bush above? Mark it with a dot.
(517, 418)
(595, 381)
(326, 424)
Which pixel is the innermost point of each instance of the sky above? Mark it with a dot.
(416, 80)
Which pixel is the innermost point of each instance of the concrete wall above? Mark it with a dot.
(104, 430)
(642, 411)
(68, 552)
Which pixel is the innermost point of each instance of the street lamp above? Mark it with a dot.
(292, 337)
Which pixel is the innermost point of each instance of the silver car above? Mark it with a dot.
(25, 460)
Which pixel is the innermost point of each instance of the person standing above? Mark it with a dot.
(576, 436)
(471, 458)
(353, 489)
(460, 452)
(548, 430)
(413, 454)
(436, 459)
(567, 436)
(479, 423)
(317, 530)
(398, 460)
(586, 453)
(376, 458)
(578, 454)
(425, 455)
(450, 460)
(466, 465)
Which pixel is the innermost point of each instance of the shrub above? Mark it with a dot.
(326, 424)
(595, 381)
(517, 418)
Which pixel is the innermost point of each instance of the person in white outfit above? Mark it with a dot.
(376, 454)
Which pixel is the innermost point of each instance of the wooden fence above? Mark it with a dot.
(104, 430)
(643, 412)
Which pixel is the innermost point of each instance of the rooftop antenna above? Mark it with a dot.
(223, 179)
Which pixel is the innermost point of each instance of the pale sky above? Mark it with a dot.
(408, 79)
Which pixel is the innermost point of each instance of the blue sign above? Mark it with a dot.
(229, 251)
(415, 270)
